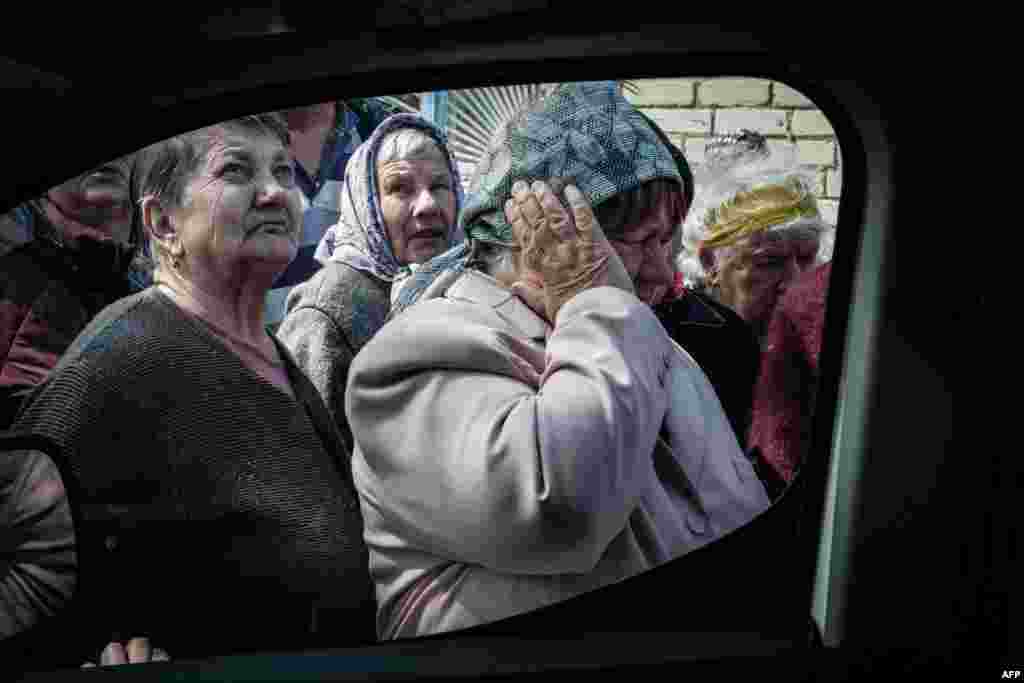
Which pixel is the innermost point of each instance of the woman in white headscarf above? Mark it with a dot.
(754, 227)
(399, 204)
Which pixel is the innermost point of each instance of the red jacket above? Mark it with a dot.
(48, 294)
(783, 400)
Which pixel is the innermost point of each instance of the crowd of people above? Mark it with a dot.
(314, 394)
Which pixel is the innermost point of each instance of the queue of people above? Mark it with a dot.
(472, 408)
(527, 428)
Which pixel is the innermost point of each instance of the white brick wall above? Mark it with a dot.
(693, 148)
(664, 92)
(681, 120)
(819, 152)
(766, 121)
(834, 183)
(785, 96)
(829, 209)
(820, 187)
(691, 111)
(733, 92)
(810, 122)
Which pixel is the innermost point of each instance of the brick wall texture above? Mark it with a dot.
(692, 110)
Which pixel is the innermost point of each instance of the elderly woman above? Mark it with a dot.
(212, 480)
(399, 203)
(754, 228)
(527, 431)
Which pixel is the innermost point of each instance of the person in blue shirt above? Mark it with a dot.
(324, 137)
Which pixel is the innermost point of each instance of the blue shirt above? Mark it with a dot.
(356, 120)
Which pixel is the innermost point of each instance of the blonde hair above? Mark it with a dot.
(735, 203)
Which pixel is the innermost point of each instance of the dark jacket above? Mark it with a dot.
(48, 293)
(722, 344)
(218, 512)
(727, 350)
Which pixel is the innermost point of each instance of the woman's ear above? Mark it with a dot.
(157, 222)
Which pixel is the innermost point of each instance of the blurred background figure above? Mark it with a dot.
(754, 227)
(785, 394)
(324, 137)
(76, 252)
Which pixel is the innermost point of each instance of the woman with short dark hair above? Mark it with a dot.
(213, 481)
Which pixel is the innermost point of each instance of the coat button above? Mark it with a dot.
(697, 522)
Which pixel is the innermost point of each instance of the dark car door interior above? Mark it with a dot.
(746, 600)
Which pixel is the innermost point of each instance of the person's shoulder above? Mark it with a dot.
(732, 318)
(694, 306)
(471, 299)
(334, 288)
(115, 341)
(437, 330)
(122, 326)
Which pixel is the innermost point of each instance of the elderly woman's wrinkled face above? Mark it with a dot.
(241, 211)
(95, 203)
(754, 275)
(417, 200)
(645, 248)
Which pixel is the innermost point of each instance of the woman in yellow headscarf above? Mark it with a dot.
(754, 227)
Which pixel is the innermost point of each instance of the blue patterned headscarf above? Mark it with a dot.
(586, 131)
(360, 237)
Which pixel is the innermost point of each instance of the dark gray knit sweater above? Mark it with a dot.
(218, 512)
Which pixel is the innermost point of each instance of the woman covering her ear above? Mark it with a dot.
(213, 482)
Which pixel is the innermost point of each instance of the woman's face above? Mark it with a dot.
(645, 248)
(759, 270)
(417, 200)
(241, 210)
(95, 203)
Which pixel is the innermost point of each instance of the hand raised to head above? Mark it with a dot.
(564, 251)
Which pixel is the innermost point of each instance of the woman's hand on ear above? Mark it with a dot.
(563, 253)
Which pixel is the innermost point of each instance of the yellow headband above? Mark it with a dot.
(757, 209)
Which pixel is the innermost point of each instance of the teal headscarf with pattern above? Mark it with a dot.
(587, 132)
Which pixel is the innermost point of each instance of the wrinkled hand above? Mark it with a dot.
(138, 651)
(563, 254)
